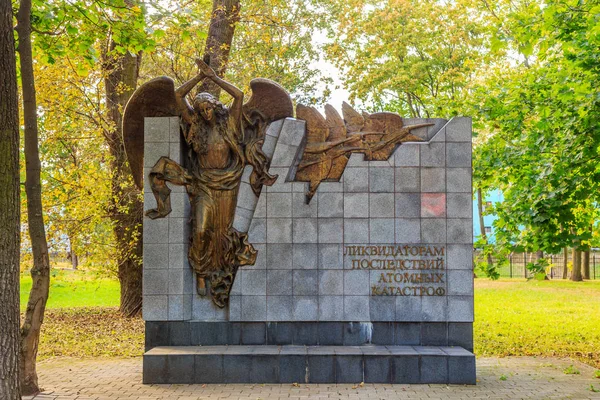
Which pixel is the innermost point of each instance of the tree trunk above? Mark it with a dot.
(481, 224)
(40, 273)
(576, 272)
(585, 267)
(225, 15)
(126, 208)
(565, 262)
(10, 213)
(73, 256)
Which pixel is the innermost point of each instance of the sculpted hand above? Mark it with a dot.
(205, 69)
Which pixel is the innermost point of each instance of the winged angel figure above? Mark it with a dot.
(220, 141)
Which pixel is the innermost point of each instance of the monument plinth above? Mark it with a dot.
(370, 281)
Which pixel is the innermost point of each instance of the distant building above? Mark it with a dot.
(488, 220)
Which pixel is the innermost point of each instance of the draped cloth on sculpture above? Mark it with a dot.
(216, 249)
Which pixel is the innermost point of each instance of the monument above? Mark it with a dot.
(314, 249)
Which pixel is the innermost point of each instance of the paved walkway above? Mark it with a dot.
(498, 378)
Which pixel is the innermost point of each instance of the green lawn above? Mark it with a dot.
(513, 317)
(75, 289)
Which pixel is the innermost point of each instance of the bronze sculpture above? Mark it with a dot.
(331, 140)
(221, 141)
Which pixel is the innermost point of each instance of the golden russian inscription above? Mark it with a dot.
(401, 270)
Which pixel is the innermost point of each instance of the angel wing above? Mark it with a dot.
(269, 102)
(155, 98)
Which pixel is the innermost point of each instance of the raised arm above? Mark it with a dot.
(238, 96)
(186, 110)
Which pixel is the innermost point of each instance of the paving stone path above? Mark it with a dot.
(526, 378)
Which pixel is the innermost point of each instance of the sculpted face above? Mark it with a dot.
(205, 108)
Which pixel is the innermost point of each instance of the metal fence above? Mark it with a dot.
(517, 262)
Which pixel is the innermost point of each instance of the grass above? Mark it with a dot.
(531, 318)
(75, 289)
(513, 317)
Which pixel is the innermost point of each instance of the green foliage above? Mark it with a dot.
(571, 370)
(503, 377)
(539, 124)
(539, 266)
(414, 57)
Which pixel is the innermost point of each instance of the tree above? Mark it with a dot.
(10, 206)
(40, 273)
(542, 116)
(224, 18)
(126, 207)
(414, 57)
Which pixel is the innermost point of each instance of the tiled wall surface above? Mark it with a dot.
(421, 195)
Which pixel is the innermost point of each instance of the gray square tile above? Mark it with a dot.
(279, 204)
(331, 308)
(459, 130)
(258, 231)
(254, 282)
(156, 129)
(433, 230)
(433, 180)
(156, 256)
(356, 283)
(203, 308)
(433, 155)
(408, 230)
(433, 205)
(460, 231)
(381, 180)
(279, 256)
(460, 256)
(356, 205)
(356, 179)
(154, 151)
(330, 256)
(381, 205)
(246, 197)
(305, 256)
(301, 209)
(328, 187)
(408, 205)
(306, 308)
(435, 308)
(306, 282)
(356, 308)
(177, 310)
(408, 308)
(381, 230)
(356, 230)
(305, 230)
(156, 281)
(254, 308)
(331, 282)
(460, 308)
(279, 282)
(178, 258)
(382, 308)
(175, 281)
(280, 308)
(279, 230)
(235, 308)
(460, 205)
(331, 230)
(156, 230)
(458, 180)
(284, 155)
(460, 283)
(458, 154)
(155, 308)
(408, 179)
(407, 155)
(331, 204)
